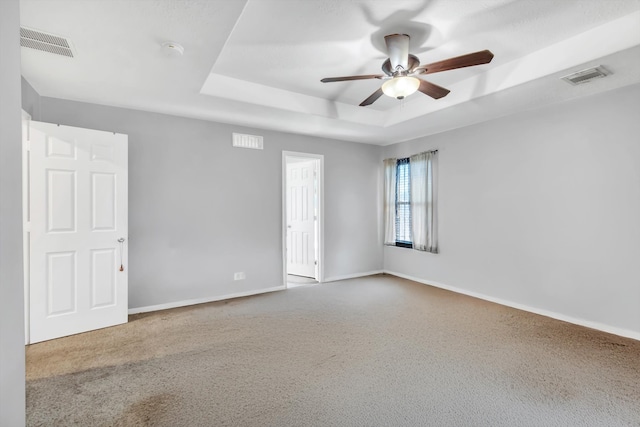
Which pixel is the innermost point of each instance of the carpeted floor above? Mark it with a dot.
(377, 351)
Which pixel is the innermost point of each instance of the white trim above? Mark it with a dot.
(26, 238)
(352, 276)
(185, 303)
(627, 333)
(320, 179)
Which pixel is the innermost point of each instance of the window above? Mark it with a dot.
(410, 202)
(403, 203)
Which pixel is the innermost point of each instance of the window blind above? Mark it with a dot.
(403, 203)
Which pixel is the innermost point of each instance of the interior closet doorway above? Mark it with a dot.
(302, 218)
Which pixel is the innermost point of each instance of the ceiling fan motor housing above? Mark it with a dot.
(413, 63)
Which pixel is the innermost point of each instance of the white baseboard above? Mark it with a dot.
(185, 303)
(627, 333)
(351, 276)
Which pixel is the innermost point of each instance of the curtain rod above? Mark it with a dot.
(428, 151)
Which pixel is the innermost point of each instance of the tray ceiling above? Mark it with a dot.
(259, 62)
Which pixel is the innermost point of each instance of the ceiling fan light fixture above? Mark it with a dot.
(400, 87)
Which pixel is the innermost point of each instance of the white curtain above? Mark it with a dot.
(390, 201)
(423, 201)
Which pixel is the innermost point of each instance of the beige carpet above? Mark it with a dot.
(378, 351)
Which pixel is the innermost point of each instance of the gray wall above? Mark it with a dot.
(12, 387)
(200, 210)
(30, 100)
(542, 209)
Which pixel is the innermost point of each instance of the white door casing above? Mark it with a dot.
(78, 212)
(301, 217)
(26, 119)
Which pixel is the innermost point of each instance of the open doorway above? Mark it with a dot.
(302, 218)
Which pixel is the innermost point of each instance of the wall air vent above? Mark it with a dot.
(587, 75)
(247, 141)
(34, 39)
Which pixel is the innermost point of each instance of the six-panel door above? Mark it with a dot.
(301, 217)
(77, 213)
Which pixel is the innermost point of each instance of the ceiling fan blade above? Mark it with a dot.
(347, 78)
(433, 90)
(372, 98)
(398, 49)
(471, 59)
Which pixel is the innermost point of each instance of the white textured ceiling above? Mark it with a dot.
(259, 62)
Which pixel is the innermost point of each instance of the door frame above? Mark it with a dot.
(319, 158)
(26, 258)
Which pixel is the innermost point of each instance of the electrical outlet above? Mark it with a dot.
(239, 276)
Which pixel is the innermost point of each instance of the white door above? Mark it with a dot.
(301, 259)
(77, 215)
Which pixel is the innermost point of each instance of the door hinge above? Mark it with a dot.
(315, 262)
(27, 144)
(27, 226)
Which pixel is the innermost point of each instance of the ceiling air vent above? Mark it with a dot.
(45, 42)
(587, 75)
(247, 141)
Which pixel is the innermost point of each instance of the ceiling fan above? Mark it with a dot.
(401, 69)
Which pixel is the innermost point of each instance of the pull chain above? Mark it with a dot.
(121, 241)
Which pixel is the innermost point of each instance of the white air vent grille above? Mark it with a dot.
(38, 40)
(587, 75)
(247, 141)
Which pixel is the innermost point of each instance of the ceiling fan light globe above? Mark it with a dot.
(400, 87)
